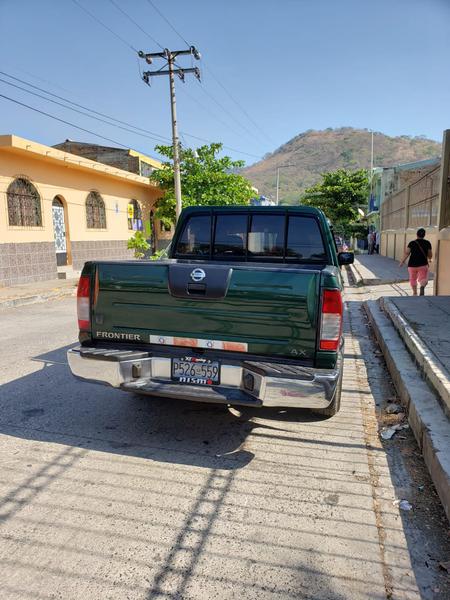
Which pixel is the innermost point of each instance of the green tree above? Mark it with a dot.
(339, 195)
(206, 180)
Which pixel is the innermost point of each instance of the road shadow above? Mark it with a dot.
(216, 530)
(50, 405)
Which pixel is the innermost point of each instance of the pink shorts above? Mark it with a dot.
(419, 274)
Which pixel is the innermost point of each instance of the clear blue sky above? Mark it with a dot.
(292, 64)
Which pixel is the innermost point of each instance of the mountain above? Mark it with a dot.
(314, 152)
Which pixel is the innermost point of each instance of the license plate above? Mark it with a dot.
(194, 370)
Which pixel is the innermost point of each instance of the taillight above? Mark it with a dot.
(83, 299)
(331, 322)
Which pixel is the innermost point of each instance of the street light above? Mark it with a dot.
(278, 178)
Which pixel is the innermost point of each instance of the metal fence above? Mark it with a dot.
(415, 205)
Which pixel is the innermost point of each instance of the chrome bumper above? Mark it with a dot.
(248, 383)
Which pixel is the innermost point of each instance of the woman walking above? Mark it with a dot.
(419, 252)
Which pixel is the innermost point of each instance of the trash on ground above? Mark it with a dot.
(394, 409)
(402, 504)
(445, 566)
(388, 433)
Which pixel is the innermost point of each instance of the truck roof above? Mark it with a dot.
(250, 208)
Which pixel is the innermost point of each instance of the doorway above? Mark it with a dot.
(60, 233)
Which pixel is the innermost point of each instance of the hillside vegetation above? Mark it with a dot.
(315, 152)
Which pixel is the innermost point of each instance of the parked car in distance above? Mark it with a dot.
(246, 310)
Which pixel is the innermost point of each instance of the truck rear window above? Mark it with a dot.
(230, 235)
(195, 239)
(304, 240)
(266, 236)
(245, 236)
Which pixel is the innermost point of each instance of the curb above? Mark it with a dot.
(36, 298)
(425, 414)
(357, 278)
(429, 364)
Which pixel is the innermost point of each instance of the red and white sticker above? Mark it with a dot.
(168, 340)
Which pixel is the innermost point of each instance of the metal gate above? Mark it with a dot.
(59, 228)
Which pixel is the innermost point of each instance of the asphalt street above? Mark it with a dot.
(107, 495)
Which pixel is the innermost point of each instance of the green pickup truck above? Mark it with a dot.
(245, 310)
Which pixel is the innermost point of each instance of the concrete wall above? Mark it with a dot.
(444, 267)
(393, 243)
(383, 245)
(116, 157)
(399, 246)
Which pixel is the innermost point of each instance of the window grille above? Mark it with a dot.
(95, 211)
(24, 204)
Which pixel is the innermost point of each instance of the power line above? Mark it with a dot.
(119, 37)
(147, 131)
(82, 112)
(227, 112)
(136, 23)
(212, 75)
(66, 122)
(135, 50)
(168, 22)
(208, 110)
(238, 104)
(158, 44)
(195, 137)
(151, 133)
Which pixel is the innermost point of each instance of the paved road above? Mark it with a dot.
(105, 495)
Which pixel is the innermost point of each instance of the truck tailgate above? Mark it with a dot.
(265, 310)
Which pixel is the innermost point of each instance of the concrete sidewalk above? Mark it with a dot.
(374, 269)
(424, 326)
(38, 291)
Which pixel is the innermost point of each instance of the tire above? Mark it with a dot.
(334, 407)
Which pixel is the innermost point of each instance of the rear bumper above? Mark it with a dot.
(247, 383)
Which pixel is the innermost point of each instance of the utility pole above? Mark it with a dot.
(278, 180)
(172, 70)
(371, 174)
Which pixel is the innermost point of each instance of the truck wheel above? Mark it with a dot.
(334, 407)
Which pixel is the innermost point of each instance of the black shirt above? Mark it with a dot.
(419, 253)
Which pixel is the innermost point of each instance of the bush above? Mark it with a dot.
(139, 244)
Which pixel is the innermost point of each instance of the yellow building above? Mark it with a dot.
(58, 210)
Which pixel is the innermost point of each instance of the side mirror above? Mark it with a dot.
(346, 258)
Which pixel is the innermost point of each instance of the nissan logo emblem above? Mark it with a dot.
(198, 275)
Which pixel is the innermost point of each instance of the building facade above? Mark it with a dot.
(127, 160)
(58, 210)
(409, 198)
(418, 195)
